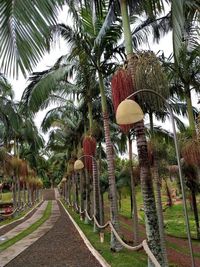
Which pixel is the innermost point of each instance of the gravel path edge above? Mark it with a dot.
(94, 252)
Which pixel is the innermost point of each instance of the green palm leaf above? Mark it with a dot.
(25, 26)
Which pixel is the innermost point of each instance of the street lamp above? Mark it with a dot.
(125, 115)
(78, 165)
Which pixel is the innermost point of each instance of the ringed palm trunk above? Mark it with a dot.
(158, 195)
(151, 219)
(87, 194)
(115, 245)
(66, 191)
(96, 191)
(133, 197)
(28, 192)
(14, 191)
(81, 192)
(158, 183)
(76, 189)
(189, 108)
(24, 193)
(96, 183)
(18, 192)
(100, 191)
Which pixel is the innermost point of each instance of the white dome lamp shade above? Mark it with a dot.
(78, 165)
(129, 112)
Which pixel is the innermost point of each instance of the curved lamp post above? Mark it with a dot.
(129, 112)
(78, 165)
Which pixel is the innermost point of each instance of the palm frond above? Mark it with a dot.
(178, 26)
(24, 28)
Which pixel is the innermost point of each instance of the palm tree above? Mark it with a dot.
(81, 46)
(152, 228)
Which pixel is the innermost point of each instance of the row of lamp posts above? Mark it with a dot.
(129, 112)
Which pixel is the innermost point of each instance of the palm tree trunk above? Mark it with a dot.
(115, 245)
(76, 189)
(81, 193)
(189, 109)
(133, 197)
(169, 196)
(14, 191)
(18, 192)
(24, 193)
(151, 219)
(196, 216)
(87, 195)
(66, 191)
(100, 191)
(158, 183)
(102, 205)
(28, 192)
(96, 191)
(90, 115)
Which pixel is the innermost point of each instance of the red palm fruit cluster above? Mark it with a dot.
(122, 87)
(89, 148)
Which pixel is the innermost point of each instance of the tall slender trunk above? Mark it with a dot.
(76, 189)
(151, 122)
(158, 184)
(189, 108)
(81, 192)
(102, 204)
(87, 194)
(115, 245)
(66, 191)
(169, 196)
(28, 193)
(14, 191)
(70, 190)
(96, 191)
(196, 216)
(18, 192)
(133, 196)
(24, 193)
(90, 114)
(100, 191)
(151, 219)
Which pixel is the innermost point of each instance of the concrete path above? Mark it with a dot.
(10, 253)
(62, 246)
(19, 228)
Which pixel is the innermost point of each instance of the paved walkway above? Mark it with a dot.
(61, 246)
(19, 228)
(10, 253)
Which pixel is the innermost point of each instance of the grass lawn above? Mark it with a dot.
(175, 223)
(6, 197)
(124, 258)
(29, 230)
(173, 216)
